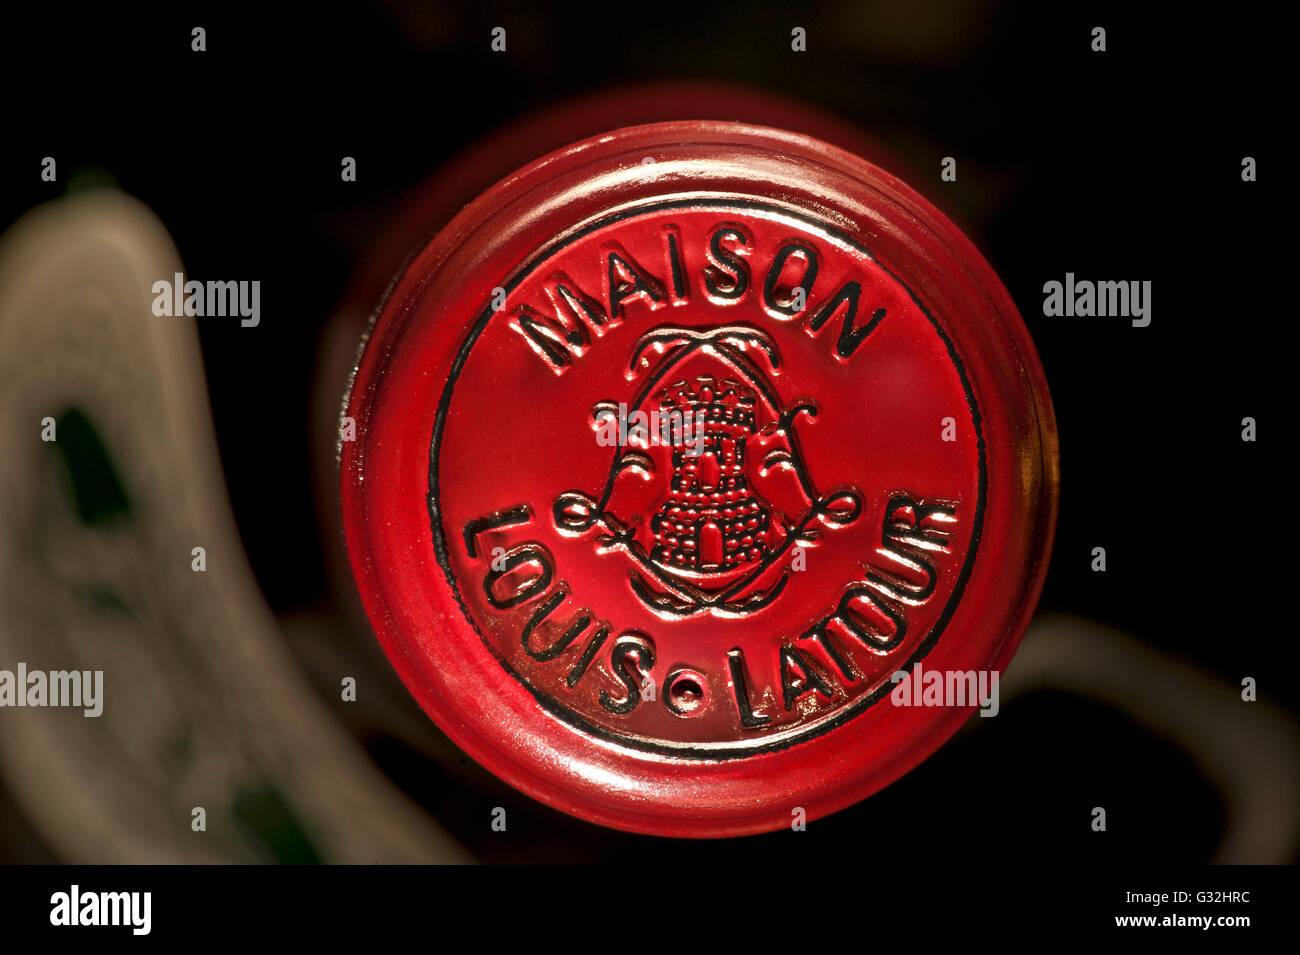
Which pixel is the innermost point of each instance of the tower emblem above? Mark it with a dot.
(710, 522)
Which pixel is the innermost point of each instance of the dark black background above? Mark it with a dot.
(1122, 165)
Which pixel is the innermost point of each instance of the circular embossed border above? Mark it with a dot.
(710, 751)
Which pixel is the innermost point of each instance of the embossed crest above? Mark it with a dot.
(713, 533)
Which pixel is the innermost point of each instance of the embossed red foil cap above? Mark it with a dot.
(672, 450)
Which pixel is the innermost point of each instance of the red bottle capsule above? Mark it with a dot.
(675, 450)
